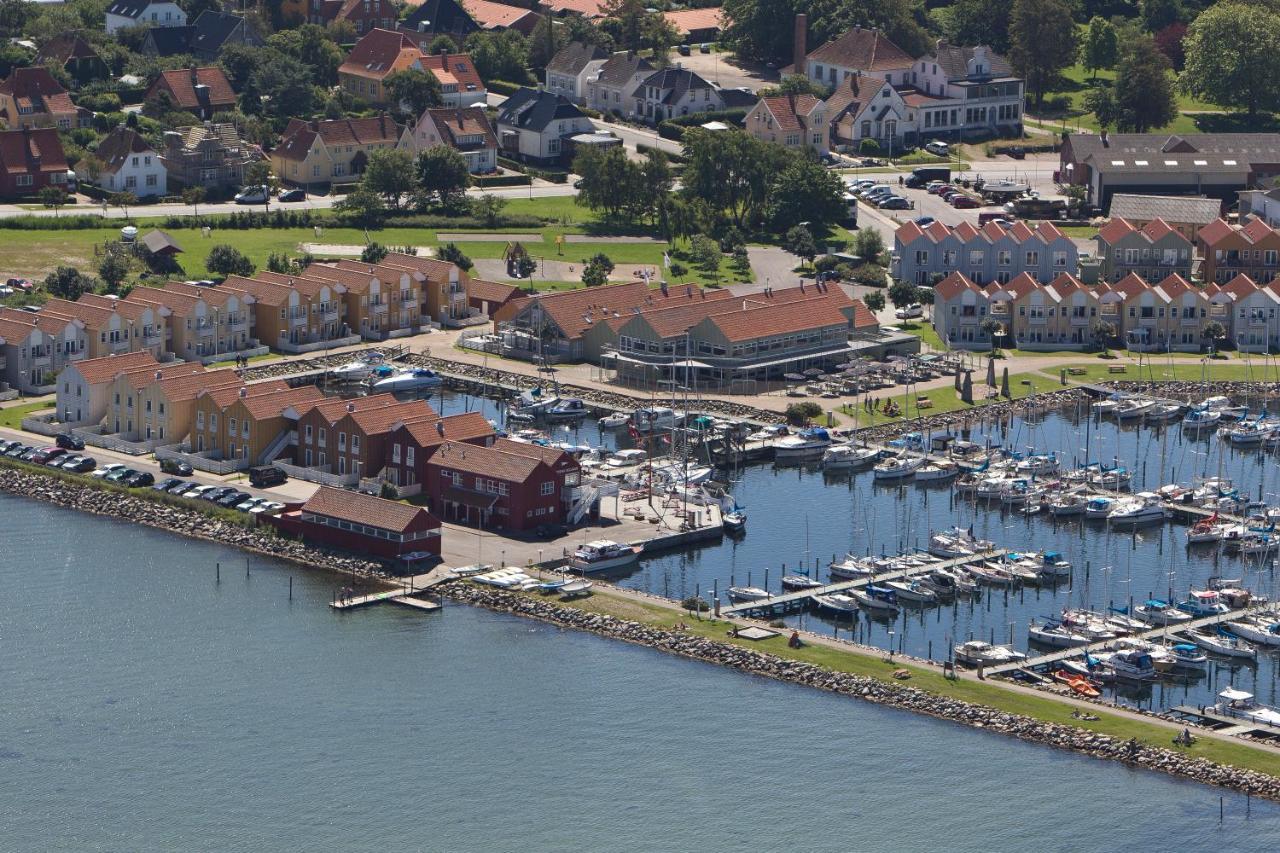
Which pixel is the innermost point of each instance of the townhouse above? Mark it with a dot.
(403, 288)
(366, 301)
(293, 314)
(1184, 214)
(1252, 323)
(331, 440)
(411, 445)
(83, 386)
(113, 326)
(159, 407)
(201, 323)
(675, 91)
(568, 71)
(465, 130)
(34, 349)
(1152, 251)
(442, 287)
(333, 151)
(1251, 248)
(31, 97)
(252, 424)
(612, 89)
(796, 122)
(507, 484)
(927, 254)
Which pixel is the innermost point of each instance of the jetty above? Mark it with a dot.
(406, 594)
(803, 598)
(1206, 716)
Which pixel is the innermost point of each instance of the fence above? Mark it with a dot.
(94, 436)
(317, 346)
(315, 475)
(200, 462)
(44, 425)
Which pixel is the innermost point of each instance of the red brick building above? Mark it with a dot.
(411, 445)
(508, 484)
(31, 160)
(348, 436)
(364, 524)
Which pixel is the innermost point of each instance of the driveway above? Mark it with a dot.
(726, 71)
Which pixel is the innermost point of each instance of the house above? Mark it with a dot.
(507, 484)
(1184, 214)
(675, 91)
(364, 15)
(441, 17)
(613, 88)
(293, 314)
(568, 71)
(411, 445)
(1260, 204)
(927, 254)
(208, 155)
(396, 303)
(489, 16)
(161, 243)
(465, 130)
(83, 385)
(130, 164)
(1153, 251)
(200, 323)
(863, 107)
(960, 308)
(113, 325)
(697, 25)
(160, 407)
(74, 55)
(30, 160)
(486, 298)
(204, 38)
(325, 428)
(36, 348)
(796, 122)
(1254, 319)
(333, 151)
(1251, 248)
(202, 91)
(255, 424)
(141, 13)
(460, 83)
(167, 41)
(534, 125)
(442, 285)
(1215, 165)
(590, 9)
(31, 98)
(365, 525)
(857, 51)
(375, 57)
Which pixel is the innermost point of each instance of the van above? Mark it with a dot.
(266, 476)
(878, 189)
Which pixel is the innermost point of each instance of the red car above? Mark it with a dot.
(963, 201)
(945, 188)
(19, 284)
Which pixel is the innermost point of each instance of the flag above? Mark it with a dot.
(666, 259)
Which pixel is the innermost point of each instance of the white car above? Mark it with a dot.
(938, 147)
(248, 505)
(253, 195)
(267, 507)
(911, 312)
(197, 491)
(107, 469)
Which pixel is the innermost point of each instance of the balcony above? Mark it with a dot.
(1037, 319)
(297, 318)
(238, 324)
(1079, 319)
(329, 315)
(41, 360)
(152, 338)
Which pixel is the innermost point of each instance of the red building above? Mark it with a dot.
(364, 524)
(31, 160)
(508, 484)
(341, 449)
(411, 445)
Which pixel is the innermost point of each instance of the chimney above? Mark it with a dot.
(159, 375)
(799, 45)
(195, 78)
(244, 392)
(351, 407)
(1105, 143)
(440, 427)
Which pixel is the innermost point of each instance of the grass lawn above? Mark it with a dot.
(266, 356)
(11, 416)
(923, 330)
(944, 400)
(1233, 370)
(966, 688)
(1079, 232)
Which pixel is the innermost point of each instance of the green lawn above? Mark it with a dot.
(11, 416)
(1255, 370)
(923, 330)
(944, 400)
(232, 362)
(967, 687)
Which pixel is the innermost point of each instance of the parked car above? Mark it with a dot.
(175, 466)
(232, 498)
(267, 508)
(895, 202)
(938, 147)
(45, 454)
(139, 479)
(168, 484)
(247, 505)
(67, 441)
(217, 493)
(962, 201)
(30, 453)
(911, 312)
(17, 450)
(5, 290)
(924, 221)
(292, 195)
(102, 472)
(705, 47)
(196, 491)
(684, 50)
(5, 445)
(253, 195)
(20, 284)
(1017, 152)
(120, 475)
(266, 476)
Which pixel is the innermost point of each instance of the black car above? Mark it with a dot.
(67, 441)
(30, 454)
(292, 195)
(217, 494)
(17, 449)
(139, 479)
(231, 500)
(174, 466)
(6, 445)
(168, 483)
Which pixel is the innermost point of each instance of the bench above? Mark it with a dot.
(1117, 368)
(1080, 371)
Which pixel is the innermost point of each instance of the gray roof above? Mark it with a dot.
(1171, 208)
(1259, 147)
(128, 8)
(675, 82)
(954, 61)
(574, 57)
(158, 241)
(621, 67)
(534, 109)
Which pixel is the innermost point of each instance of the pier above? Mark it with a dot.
(404, 594)
(803, 598)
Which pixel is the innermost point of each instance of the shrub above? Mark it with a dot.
(802, 413)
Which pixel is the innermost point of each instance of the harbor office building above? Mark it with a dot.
(364, 524)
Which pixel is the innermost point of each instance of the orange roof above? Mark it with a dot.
(380, 419)
(1214, 231)
(954, 284)
(1066, 283)
(187, 386)
(862, 50)
(490, 291)
(381, 53)
(791, 112)
(181, 85)
(1240, 286)
(461, 427)
(1020, 285)
(333, 409)
(690, 20)
(96, 371)
(365, 509)
(770, 320)
(1176, 285)
(585, 8)
(551, 456)
(274, 404)
(1115, 229)
(487, 461)
(493, 16)
(454, 68)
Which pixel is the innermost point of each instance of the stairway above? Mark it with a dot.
(273, 450)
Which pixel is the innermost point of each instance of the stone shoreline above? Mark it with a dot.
(899, 695)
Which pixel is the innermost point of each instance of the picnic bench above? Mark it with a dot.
(1117, 368)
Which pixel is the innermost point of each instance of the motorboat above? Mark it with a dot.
(1242, 705)
(576, 588)
(418, 379)
(734, 521)
(798, 582)
(1206, 531)
(844, 456)
(357, 370)
(602, 555)
(990, 574)
(956, 582)
(1263, 631)
(615, 420)
(769, 432)
(1052, 564)
(1037, 464)
(1187, 657)
(1122, 623)
(655, 419)
(1098, 507)
(912, 591)
(806, 442)
(1068, 504)
(567, 409)
(1158, 612)
(837, 604)
(1129, 665)
(1222, 644)
(746, 593)
(1106, 407)
(851, 568)
(1222, 404)
(1204, 602)
(993, 487)
(534, 402)
(897, 467)
(936, 471)
(626, 458)
(549, 587)
(1055, 635)
(1163, 411)
(1087, 624)
(979, 653)
(875, 599)
(1133, 408)
(1198, 420)
(1144, 508)
(958, 542)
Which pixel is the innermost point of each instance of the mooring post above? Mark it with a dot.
(291, 587)
(217, 572)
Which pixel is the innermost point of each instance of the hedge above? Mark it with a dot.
(641, 148)
(732, 116)
(75, 222)
(485, 181)
(502, 87)
(670, 130)
(1004, 147)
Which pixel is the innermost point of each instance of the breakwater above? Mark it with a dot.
(893, 695)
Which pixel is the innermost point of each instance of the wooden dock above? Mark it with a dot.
(793, 600)
(405, 594)
(1206, 716)
(1102, 645)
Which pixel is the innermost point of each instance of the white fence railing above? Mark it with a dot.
(316, 346)
(44, 425)
(313, 475)
(94, 436)
(199, 461)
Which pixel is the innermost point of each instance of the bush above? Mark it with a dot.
(502, 87)
(389, 491)
(668, 129)
(826, 263)
(871, 275)
(500, 180)
(802, 413)
(693, 602)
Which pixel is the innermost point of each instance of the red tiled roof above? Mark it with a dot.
(380, 419)
(272, 405)
(1115, 229)
(1020, 285)
(852, 95)
(1131, 285)
(1240, 286)
(551, 456)
(487, 461)
(38, 88)
(1066, 283)
(791, 112)
(96, 371)
(334, 409)
(461, 427)
(953, 284)
(585, 8)
(187, 386)
(490, 291)
(360, 508)
(452, 123)
(457, 66)
(689, 20)
(181, 85)
(863, 50)
(29, 152)
(494, 16)
(300, 135)
(380, 53)
(1176, 285)
(1214, 231)
(770, 320)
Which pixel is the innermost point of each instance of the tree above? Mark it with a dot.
(1101, 46)
(925, 296)
(874, 300)
(804, 191)
(373, 253)
(795, 84)
(361, 207)
(122, 200)
(286, 85)
(488, 207)
(979, 22)
(113, 269)
(990, 327)
(731, 172)
(279, 262)
(903, 293)
(799, 242)
(227, 260)
(1102, 332)
(607, 178)
(451, 253)
(1144, 88)
(258, 174)
(389, 173)
(760, 30)
(500, 55)
(413, 90)
(1042, 37)
(1169, 40)
(594, 275)
(313, 47)
(68, 283)
(678, 270)
(1213, 331)
(601, 260)
(1101, 101)
(442, 176)
(868, 245)
(53, 198)
(1158, 14)
(627, 19)
(1231, 57)
(705, 254)
(526, 267)
(193, 196)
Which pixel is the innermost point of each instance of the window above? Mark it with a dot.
(1059, 259)
(23, 180)
(151, 179)
(1033, 259)
(322, 437)
(548, 488)
(306, 433)
(342, 442)
(395, 454)
(231, 426)
(408, 455)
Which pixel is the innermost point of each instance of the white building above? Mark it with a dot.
(569, 70)
(534, 125)
(130, 164)
(144, 13)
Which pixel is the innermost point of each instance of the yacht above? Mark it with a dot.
(615, 420)
(875, 599)
(1187, 657)
(1222, 405)
(1222, 644)
(1052, 564)
(626, 458)
(1098, 507)
(839, 457)
(958, 583)
(990, 574)
(1256, 543)
(979, 653)
(1130, 665)
(798, 582)
(851, 568)
(746, 593)
(602, 555)
(1089, 625)
(360, 368)
(1055, 635)
(1242, 705)
(1144, 508)
(806, 442)
(1157, 612)
(568, 409)
(958, 542)
(1038, 463)
(1103, 408)
(1123, 623)
(1116, 477)
(654, 419)
(576, 588)
(1163, 412)
(1068, 504)
(418, 379)
(1256, 629)
(1201, 419)
(936, 471)
(1205, 531)
(1134, 408)
(1204, 602)
(837, 604)
(897, 467)
(912, 591)
(1250, 433)
(734, 521)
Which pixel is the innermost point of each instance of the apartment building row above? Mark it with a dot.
(983, 254)
(1172, 314)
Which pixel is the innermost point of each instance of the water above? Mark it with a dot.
(147, 708)
(799, 515)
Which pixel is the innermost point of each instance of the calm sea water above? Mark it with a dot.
(146, 708)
